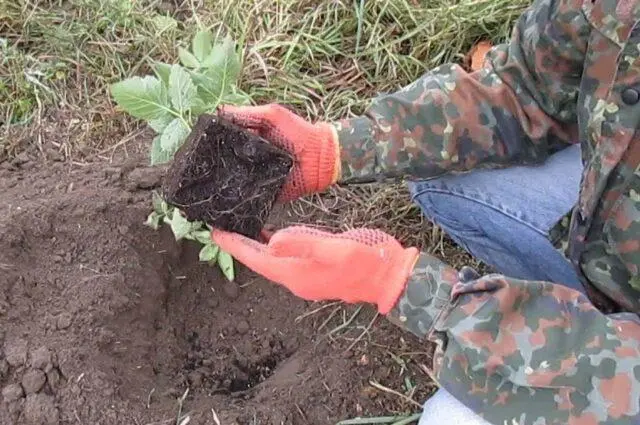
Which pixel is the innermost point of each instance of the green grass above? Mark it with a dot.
(326, 59)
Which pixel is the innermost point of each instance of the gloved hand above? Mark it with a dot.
(314, 146)
(356, 266)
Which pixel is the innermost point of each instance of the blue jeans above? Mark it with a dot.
(502, 218)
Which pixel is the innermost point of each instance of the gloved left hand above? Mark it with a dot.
(359, 265)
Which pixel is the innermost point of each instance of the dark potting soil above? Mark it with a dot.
(105, 321)
(226, 176)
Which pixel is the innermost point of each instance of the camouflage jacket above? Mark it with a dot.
(514, 351)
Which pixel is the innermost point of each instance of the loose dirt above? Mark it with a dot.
(226, 176)
(106, 321)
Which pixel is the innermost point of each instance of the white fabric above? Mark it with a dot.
(442, 408)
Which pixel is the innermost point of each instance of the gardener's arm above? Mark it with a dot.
(524, 352)
(514, 351)
(513, 111)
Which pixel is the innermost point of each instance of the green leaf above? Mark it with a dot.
(173, 136)
(202, 43)
(143, 98)
(187, 59)
(153, 220)
(635, 282)
(164, 23)
(181, 89)
(223, 57)
(179, 225)
(158, 155)
(159, 205)
(209, 88)
(160, 123)
(203, 236)
(236, 99)
(162, 70)
(209, 253)
(225, 262)
(200, 106)
(222, 70)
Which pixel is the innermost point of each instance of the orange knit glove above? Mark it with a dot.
(356, 266)
(314, 146)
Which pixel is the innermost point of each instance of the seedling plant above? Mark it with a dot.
(170, 102)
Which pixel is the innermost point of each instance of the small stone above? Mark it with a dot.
(41, 358)
(6, 166)
(145, 178)
(53, 378)
(364, 360)
(54, 155)
(21, 158)
(171, 392)
(16, 352)
(100, 206)
(105, 337)
(213, 301)
(195, 378)
(382, 373)
(41, 410)
(242, 362)
(4, 368)
(12, 392)
(28, 165)
(33, 381)
(15, 409)
(242, 327)
(231, 290)
(64, 320)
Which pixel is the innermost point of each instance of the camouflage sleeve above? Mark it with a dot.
(524, 352)
(515, 110)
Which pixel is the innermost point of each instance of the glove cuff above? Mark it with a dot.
(328, 156)
(395, 281)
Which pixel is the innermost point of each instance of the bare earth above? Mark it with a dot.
(106, 321)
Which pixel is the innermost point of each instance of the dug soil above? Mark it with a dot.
(104, 321)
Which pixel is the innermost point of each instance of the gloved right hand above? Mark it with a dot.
(314, 146)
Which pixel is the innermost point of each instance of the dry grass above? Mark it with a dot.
(327, 59)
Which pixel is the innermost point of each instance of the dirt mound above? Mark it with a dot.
(105, 321)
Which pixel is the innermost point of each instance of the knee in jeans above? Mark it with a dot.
(447, 211)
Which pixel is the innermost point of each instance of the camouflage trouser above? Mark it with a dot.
(502, 217)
